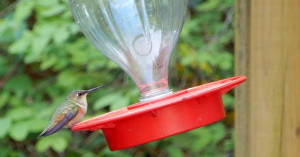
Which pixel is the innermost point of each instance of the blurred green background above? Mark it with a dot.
(44, 56)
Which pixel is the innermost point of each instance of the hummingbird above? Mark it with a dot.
(70, 112)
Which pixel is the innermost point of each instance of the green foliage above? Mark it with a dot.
(5, 125)
(56, 142)
(43, 56)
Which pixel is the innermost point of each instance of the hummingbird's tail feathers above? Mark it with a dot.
(67, 118)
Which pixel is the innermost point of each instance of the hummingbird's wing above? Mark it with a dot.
(60, 122)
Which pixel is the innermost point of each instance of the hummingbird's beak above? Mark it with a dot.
(94, 89)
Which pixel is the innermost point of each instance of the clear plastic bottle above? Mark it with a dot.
(138, 35)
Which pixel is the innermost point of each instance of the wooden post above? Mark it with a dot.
(268, 52)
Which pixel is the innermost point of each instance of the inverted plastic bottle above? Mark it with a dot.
(138, 35)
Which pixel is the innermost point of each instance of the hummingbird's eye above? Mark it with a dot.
(79, 94)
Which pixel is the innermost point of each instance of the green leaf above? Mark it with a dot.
(5, 151)
(47, 63)
(74, 28)
(5, 125)
(61, 35)
(229, 144)
(67, 78)
(112, 65)
(36, 124)
(218, 131)
(119, 103)
(79, 58)
(16, 101)
(95, 65)
(108, 153)
(225, 60)
(43, 144)
(45, 29)
(228, 100)
(204, 138)
(106, 100)
(19, 131)
(4, 64)
(175, 152)
(39, 43)
(23, 10)
(88, 154)
(4, 96)
(205, 58)
(58, 143)
(21, 45)
(208, 5)
(19, 83)
(19, 113)
(38, 46)
(188, 59)
(47, 3)
(52, 11)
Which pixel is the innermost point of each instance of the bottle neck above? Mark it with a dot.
(154, 90)
(155, 95)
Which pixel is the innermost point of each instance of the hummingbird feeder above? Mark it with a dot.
(140, 35)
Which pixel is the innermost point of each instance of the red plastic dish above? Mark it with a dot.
(146, 122)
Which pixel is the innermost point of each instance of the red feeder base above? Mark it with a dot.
(146, 122)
